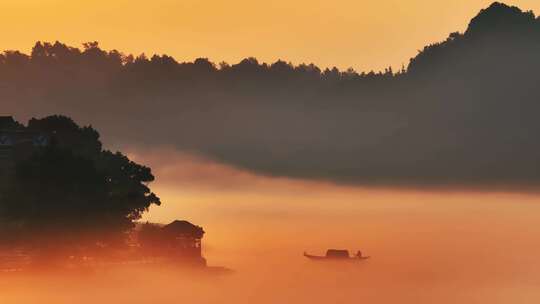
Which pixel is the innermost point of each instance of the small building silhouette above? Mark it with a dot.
(179, 241)
(184, 238)
(16, 142)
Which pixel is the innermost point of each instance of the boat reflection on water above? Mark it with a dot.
(337, 255)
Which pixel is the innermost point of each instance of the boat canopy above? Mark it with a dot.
(334, 253)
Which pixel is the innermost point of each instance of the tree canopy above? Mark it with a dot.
(71, 192)
(462, 113)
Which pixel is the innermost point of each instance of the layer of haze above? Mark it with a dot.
(364, 34)
(438, 247)
(426, 247)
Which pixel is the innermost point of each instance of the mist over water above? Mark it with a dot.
(438, 247)
(477, 254)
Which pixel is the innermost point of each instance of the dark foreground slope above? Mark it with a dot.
(464, 113)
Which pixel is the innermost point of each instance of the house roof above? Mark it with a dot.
(184, 228)
(12, 137)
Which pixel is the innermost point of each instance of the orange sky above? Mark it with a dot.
(364, 34)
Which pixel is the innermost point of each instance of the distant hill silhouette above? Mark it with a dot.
(463, 113)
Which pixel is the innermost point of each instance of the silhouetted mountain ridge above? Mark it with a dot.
(500, 17)
(497, 36)
(464, 113)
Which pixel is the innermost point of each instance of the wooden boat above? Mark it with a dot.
(337, 255)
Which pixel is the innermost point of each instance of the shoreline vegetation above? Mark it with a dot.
(67, 203)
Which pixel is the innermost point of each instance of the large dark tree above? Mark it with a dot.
(72, 194)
